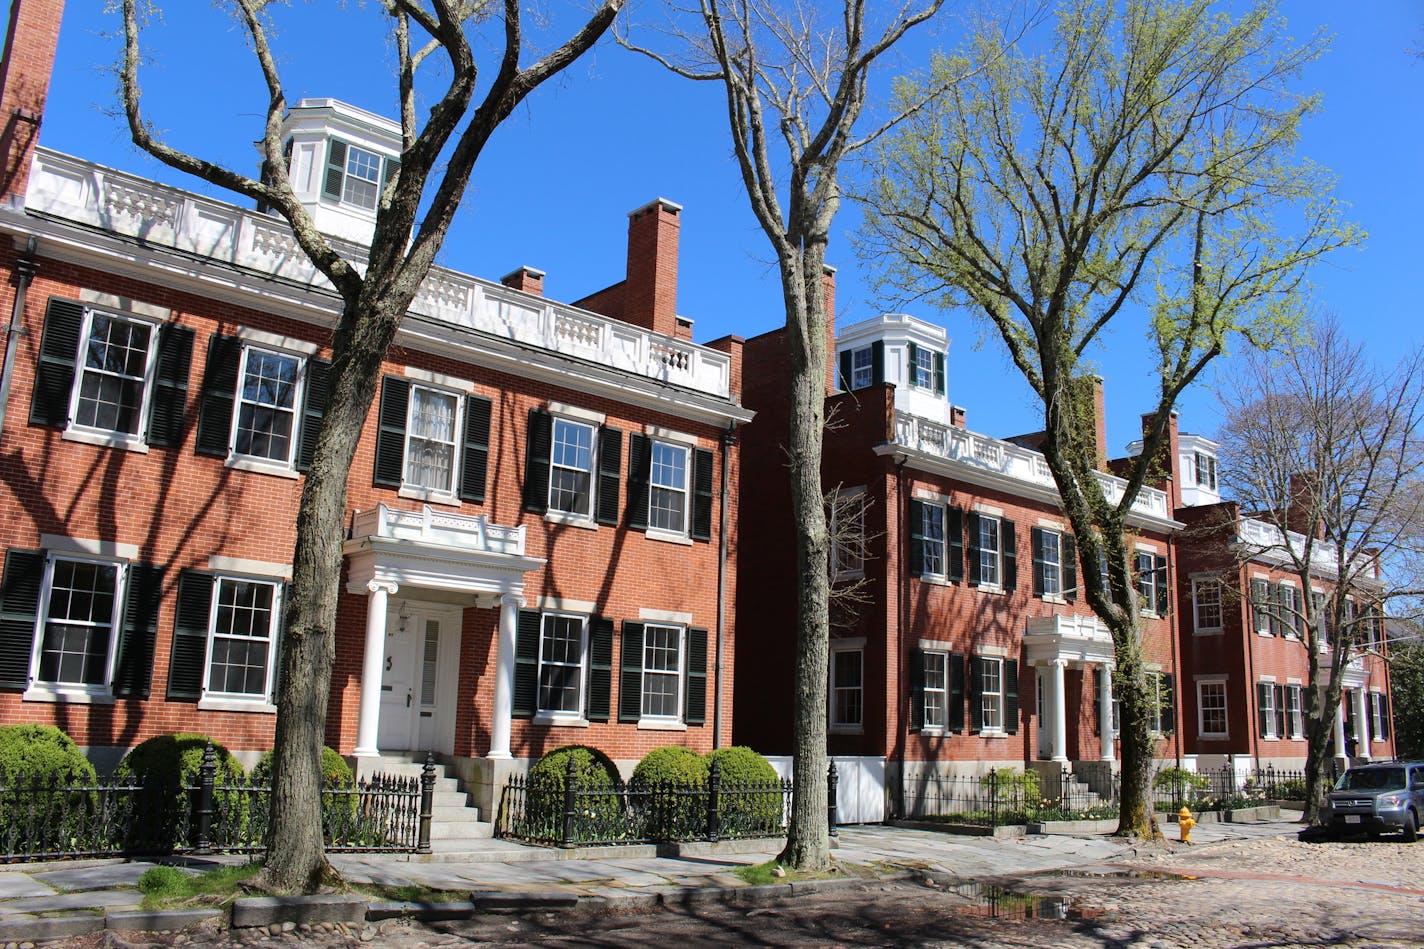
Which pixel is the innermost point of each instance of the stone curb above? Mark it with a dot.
(321, 908)
(155, 920)
(55, 927)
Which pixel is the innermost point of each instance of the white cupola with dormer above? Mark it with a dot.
(902, 350)
(1197, 457)
(340, 158)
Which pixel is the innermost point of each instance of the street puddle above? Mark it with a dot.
(991, 901)
(1118, 874)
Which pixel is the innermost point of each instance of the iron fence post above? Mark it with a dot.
(832, 808)
(566, 839)
(714, 801)
(993, 797)
(203, 812)
(427, 802)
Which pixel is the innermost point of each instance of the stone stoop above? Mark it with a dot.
(455, 823)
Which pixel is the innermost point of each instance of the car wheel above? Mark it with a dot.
(1410, 832)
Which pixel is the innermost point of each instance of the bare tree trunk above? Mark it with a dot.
(1136, 817)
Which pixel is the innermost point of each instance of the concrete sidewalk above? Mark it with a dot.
(46, 901)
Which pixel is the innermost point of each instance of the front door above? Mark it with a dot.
(398, 683)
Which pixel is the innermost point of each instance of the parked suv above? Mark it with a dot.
(1377, 798)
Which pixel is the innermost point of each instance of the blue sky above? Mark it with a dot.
(553, 189)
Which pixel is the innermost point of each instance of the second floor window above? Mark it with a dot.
(267, 405)
(847, 532)
(430, 439)
(932, 547)
(114, 373)
(989, 550)
(1206, 603)
(1055, 564)
(571, 467)
(1151, 583)
(667, 483)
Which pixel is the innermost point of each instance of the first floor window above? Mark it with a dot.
(667, 498)
(1206, 603)
(1295, 721)
(561, 651)
(662, 671)
(936, 689)
(267, 405)
(430, 439)
(1268, 710)
(244, 629)
(1378, 727)
(1211, 708)
(847, 688)
(77, 632)
(115, 365)
(571, 468)
(991, 693)
(1162, 717)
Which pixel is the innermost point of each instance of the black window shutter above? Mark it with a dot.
(954, 529)
(392, 166)
(1263, 691)
(1011, 696)
(701, 494)
(54, 375)
(1384, 716)
(526, 664)
(1068, 551)
(847, 367)
(976, 695)
(630, 673)
(474, 462)
(335, 170)
(1009, 543)
(1036, 542)
(610, 464)
(1347, 701)
(1280, 711)
(917, 689)
(600, 668)
(912, 363)
(973, 548)
(696, 695)
(1159, 576)
(190, 635)
(939, 373)
(19, 611)
(877, 362)
(917, 537)
(536, 461)
(170, 386)
(955, 718)
(1168, 699)
(133, 667)
(390, 432)
(313, 409)
(640, 462)
(219, 394)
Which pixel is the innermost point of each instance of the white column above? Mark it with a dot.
(1340, 728)
(1060, 711)
(1362, 725)
(1105, 714)
(504, 677)
(370, 715)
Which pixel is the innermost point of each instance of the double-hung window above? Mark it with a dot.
(76, 636)
(265, 422)
(562, 643)
(1269, 713)
(571, 468)
(667, 488)
(936, 672)
(1206, 471)
(923, 369)
(990, 551)
(847, 688)
(355, 175)
(1295, 713)
(662, 671)
(431, 437)
(115, 374)
(932, 542)
(1151, 583)
(1206, 604)
(1262, 607)
(1379, 717)
(848, 533)
(862, 372)
(1052, 563)
(991, 693)
(242, 639)
(1161, 718)
(1291, 621)
(1211, 708)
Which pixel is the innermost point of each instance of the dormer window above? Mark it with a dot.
(354, 175)
(861, 368)
(1206, 471)
(927, 369)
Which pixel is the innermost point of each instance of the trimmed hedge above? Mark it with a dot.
(175, 759)
(335, 772)
(673, 764)
(747, 813)
(593, 767)
(39, 751)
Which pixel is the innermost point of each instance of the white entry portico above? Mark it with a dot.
(1052, 645)
(419, 570)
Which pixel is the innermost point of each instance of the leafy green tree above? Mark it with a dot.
(1140, 166)
(1406, 679)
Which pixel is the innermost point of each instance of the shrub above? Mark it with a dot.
(168, 762)
(1010, 787)
(39, 751)
(673, 764)
(1290, 789)
(335, 772)
(593, 767)
(747, 813)
(596, 815)
(1180, 783)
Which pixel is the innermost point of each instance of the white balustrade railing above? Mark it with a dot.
(1008, 460)
(1263, 539)
(431, 527)
(79, 191)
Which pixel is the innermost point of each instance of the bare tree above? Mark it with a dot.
(796, 90)
(1143, 160)
(1327, 450)
(437, 158)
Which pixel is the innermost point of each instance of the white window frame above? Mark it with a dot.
(941, 659)
(347, 176)
(1263, 608)
(1376, 710)
(1215, 684)
(137, 439)
(994, 554)
(1201, 604)
(923, 364)
(1295, 713)
(991, 701)
(1155, 680)
(848, 515)
(931, 510)
(1147, 583)
(1205, 463)
(554, 511)
(1268, 710)
(1291, 618)
(1055, 588)
(862, 368)
(76, 691)
(678, 675)
(678, 532)
(212, 699)
(287, 464)
(834, 687)
(562, 716)
(408, 486)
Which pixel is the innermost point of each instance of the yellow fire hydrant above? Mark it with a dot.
(1186, 823)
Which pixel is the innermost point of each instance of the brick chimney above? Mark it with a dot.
(526, 279)
(30, 40)
(1302, 506)
(650, 292)
(957, 416)
(1166, 471)
(1100, 424)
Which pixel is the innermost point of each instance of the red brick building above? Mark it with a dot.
(966, 645)
(539, 541)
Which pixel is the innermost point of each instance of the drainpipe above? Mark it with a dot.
(25, 269)
(901, 564)
(729, 438)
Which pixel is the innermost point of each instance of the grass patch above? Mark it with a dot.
(762, 874)
(166, 887)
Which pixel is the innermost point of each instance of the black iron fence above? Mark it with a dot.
(1225, 788)
(570, 811)
(75, 817)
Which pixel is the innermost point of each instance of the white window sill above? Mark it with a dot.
(668, 537)
(570, 519)
(560, 719)
(59, 693)
(1213, 736)
(661, 725)
(106, 440)
(1270, 738)
(994, 733)
(262, 466)
(1055, 598)
(846, 729)
(935, 731)
(428, 495)
(991, 588)
(937, 579)
(221, 704)
(1210, 631)
(1265, 633)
